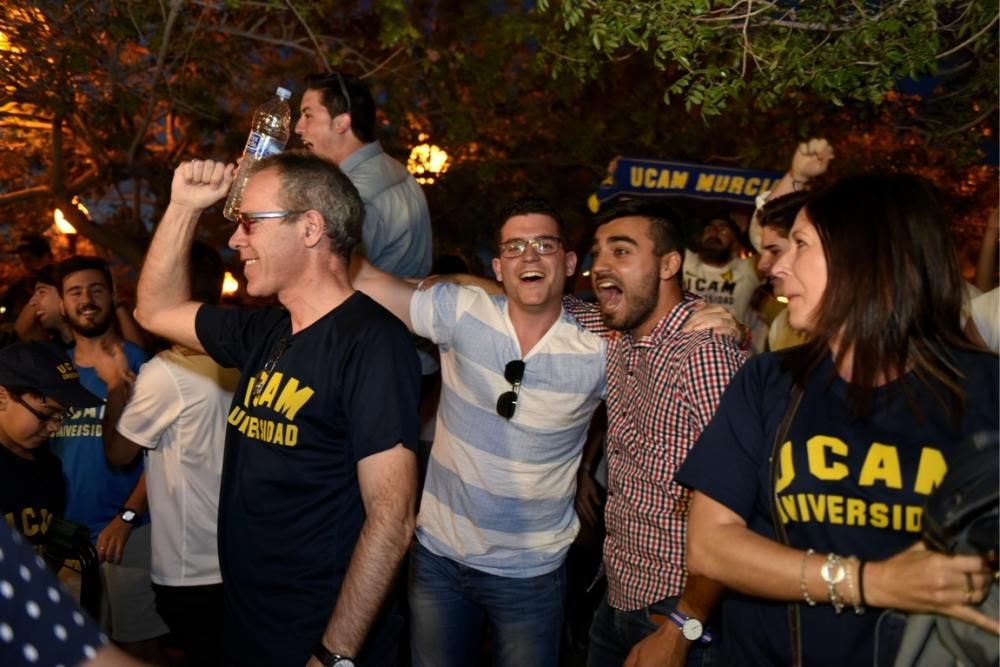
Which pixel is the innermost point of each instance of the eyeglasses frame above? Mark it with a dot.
(534, 243)
(55, 420)
(248, 220)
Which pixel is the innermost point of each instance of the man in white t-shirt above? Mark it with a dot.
(177, 415)
(716, 272)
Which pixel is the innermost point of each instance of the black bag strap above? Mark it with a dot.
(794, 621)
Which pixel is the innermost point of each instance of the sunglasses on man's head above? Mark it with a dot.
(248, 220)
(507, 402)
(330, 78)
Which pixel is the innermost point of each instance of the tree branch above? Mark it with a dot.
(312, 37)
(968, 41)
(972, 123)
(175, 7)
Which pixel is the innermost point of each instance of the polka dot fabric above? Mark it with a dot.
(40, 623)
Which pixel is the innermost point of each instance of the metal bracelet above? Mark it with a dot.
(802, 579)
(833, 572)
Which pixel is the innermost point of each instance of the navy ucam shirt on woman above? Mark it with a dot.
(853, 487)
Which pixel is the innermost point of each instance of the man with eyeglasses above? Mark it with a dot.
(319, 473)
(38, 387)
(337, 122)
(520, 382)
(109, 500)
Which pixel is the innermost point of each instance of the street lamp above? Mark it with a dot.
(427, 162)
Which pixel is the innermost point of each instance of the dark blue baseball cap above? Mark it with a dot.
(45, 368)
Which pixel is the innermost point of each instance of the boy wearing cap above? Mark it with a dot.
(38, 385)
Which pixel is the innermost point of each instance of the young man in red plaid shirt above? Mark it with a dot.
(663, 387)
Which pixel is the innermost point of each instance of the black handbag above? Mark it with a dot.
(962, 515)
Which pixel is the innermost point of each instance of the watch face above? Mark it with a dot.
(692, 629)
(128, 516)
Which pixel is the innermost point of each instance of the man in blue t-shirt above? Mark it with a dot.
(110, 501)
(319, 474)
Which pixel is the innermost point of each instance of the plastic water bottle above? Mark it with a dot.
(272, 125)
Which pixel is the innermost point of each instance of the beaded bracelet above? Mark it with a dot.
(859, 607)
(802, 579)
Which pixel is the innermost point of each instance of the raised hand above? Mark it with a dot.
(200, 183)
(111, 365)
(812, 158)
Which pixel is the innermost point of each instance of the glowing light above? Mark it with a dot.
(230, 285)
(62, 224)
(427, 162)
(586, 274)
(782, 299)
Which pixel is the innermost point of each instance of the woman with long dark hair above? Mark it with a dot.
(811, 478)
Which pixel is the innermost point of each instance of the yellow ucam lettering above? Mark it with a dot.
(879, 515)
(679, 179)
(33, 527)
(930, 471)
(752, 187)
(650, 178)
(704, 183)
(292, 398)
(817, 448)
(270, 389)
(635, 177)
(881, 465)
(855, 512)
(721, 183)
(736, 185)
(251, 385)
(817, 503)
(835, 509)
(28, 523)
(789, 512)
(767, 184)
(787, 469)
(235, 415)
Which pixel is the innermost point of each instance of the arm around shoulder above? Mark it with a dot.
(392, 293)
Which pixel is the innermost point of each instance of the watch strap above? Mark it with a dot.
(679, 619)
(327, 657)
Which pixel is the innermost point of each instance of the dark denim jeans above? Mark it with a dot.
(450, 603)
(613, 634)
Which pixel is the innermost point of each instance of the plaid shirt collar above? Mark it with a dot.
(669, 325)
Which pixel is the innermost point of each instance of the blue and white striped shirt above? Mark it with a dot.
(499, 494)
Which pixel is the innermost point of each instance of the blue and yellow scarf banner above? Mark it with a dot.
(638, 177)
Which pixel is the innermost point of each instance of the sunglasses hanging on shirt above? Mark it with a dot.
(507, 403)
